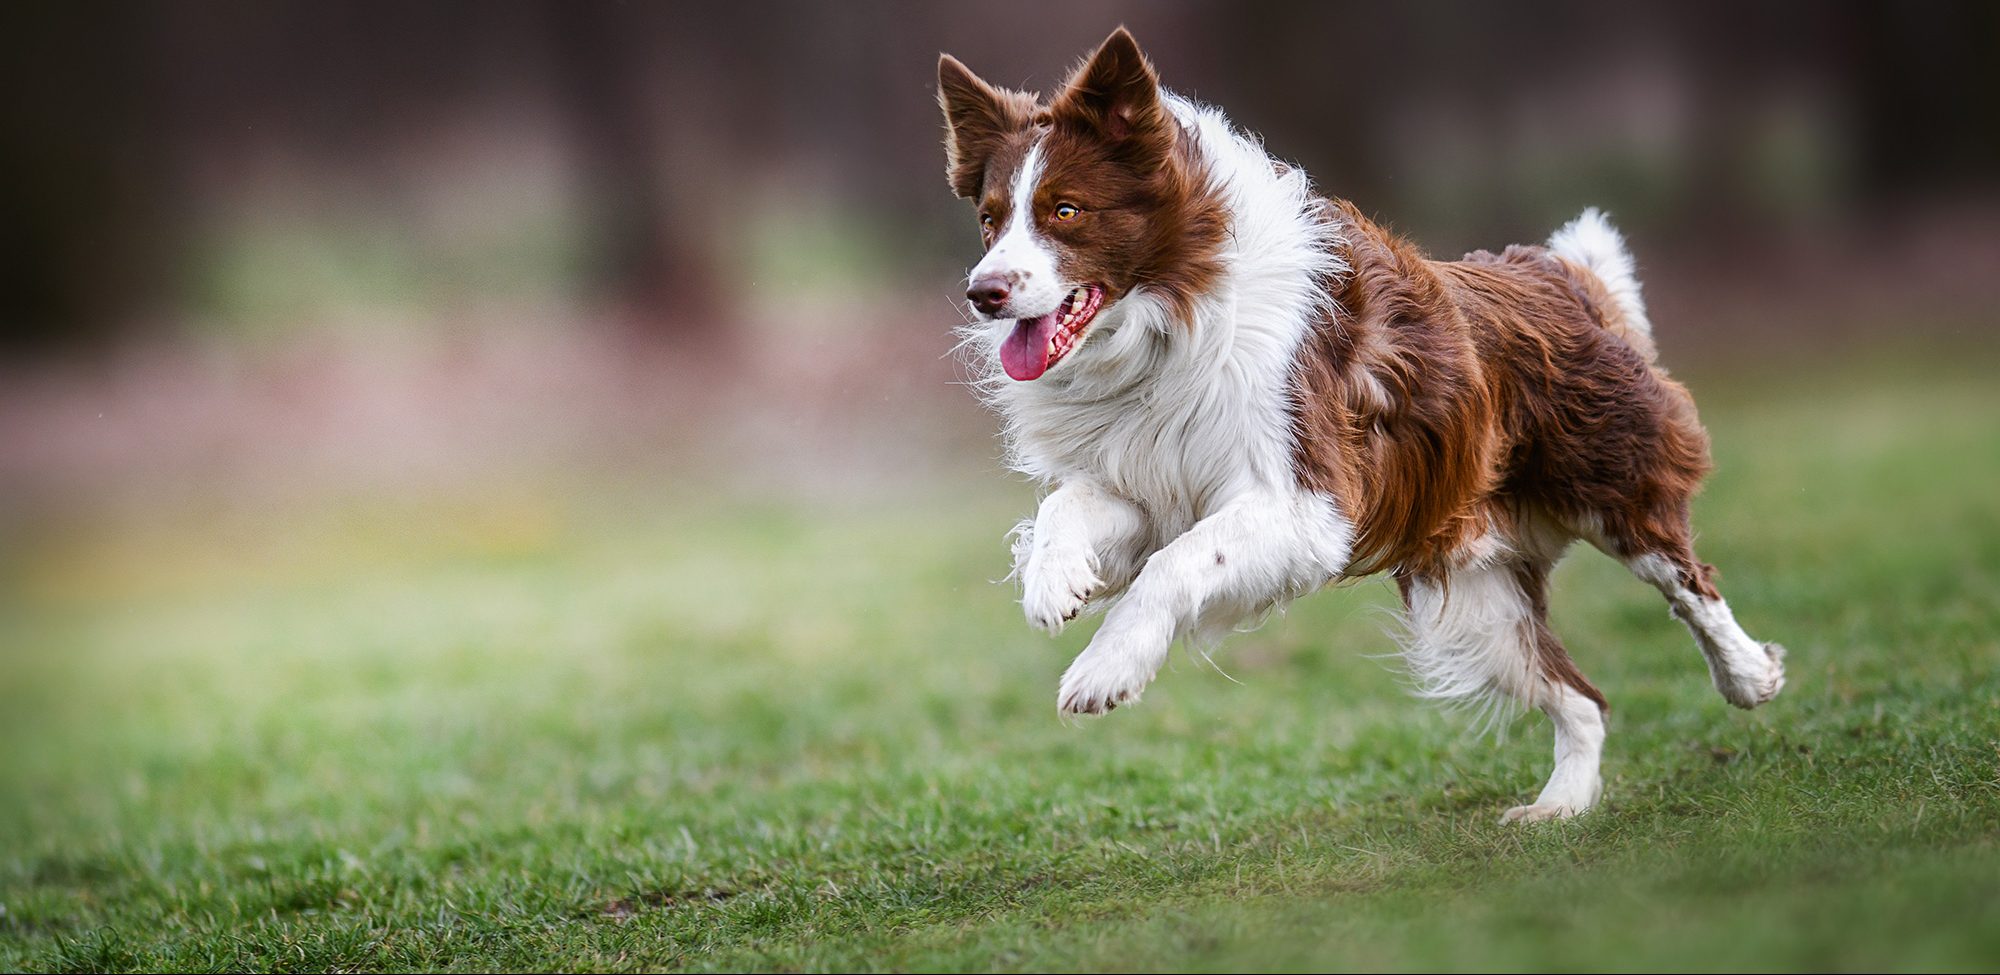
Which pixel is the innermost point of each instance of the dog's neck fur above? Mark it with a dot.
(1175, 414)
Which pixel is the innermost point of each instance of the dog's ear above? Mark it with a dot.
(977, 118)
(1117, 94)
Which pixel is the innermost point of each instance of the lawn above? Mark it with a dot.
(584, 727)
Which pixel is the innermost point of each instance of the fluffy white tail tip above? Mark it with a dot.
(1591, 241)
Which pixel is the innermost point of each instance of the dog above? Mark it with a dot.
(1237, 391)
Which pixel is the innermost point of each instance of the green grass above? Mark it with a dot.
(550, 732)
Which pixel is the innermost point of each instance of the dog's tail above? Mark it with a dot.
(1590, 242)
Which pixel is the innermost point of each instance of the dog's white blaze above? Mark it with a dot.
(1019, 255)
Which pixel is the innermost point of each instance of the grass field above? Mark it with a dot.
(579, 730)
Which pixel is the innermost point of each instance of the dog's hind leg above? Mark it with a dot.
(1480, 634)
(1748, 672)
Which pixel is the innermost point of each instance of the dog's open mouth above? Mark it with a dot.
(1039, 343)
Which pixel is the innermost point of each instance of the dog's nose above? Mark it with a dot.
(989, 293)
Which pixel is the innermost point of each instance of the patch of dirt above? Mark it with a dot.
(625, 908)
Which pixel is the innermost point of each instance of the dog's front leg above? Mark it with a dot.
(1253, 552)
(1083, 543)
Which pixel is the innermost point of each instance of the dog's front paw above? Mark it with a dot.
(1114, 670)
(1055, 587)
(1098, 684)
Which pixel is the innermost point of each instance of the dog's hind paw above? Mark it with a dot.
(1748, 690)
(1540, 812)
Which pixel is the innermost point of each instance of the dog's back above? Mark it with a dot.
(1591, 432)
(1445, 395)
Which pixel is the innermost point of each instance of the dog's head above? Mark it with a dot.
(1084, 200)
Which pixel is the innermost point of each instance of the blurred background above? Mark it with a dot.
(479, 472)
(259, 254)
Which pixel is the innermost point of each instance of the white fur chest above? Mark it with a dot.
(1192, 432)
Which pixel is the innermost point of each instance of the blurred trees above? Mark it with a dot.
(133, 133)
(85, 211)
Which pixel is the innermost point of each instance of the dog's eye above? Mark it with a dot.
(1067, 211)
(986, 221)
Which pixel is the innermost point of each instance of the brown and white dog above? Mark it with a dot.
(1240, 391)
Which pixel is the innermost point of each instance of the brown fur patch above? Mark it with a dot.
(1445, 394)
(981, 120)
(1394, 417)
(1591, 293)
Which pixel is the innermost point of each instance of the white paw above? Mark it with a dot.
(1110, 672)
(1540, 812)
(1055, 586)
(1750, 686)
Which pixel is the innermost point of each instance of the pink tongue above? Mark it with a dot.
(1025, 353)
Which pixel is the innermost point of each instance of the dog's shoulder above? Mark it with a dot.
(1391, 415)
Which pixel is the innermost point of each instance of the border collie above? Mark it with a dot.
(1237, 391)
